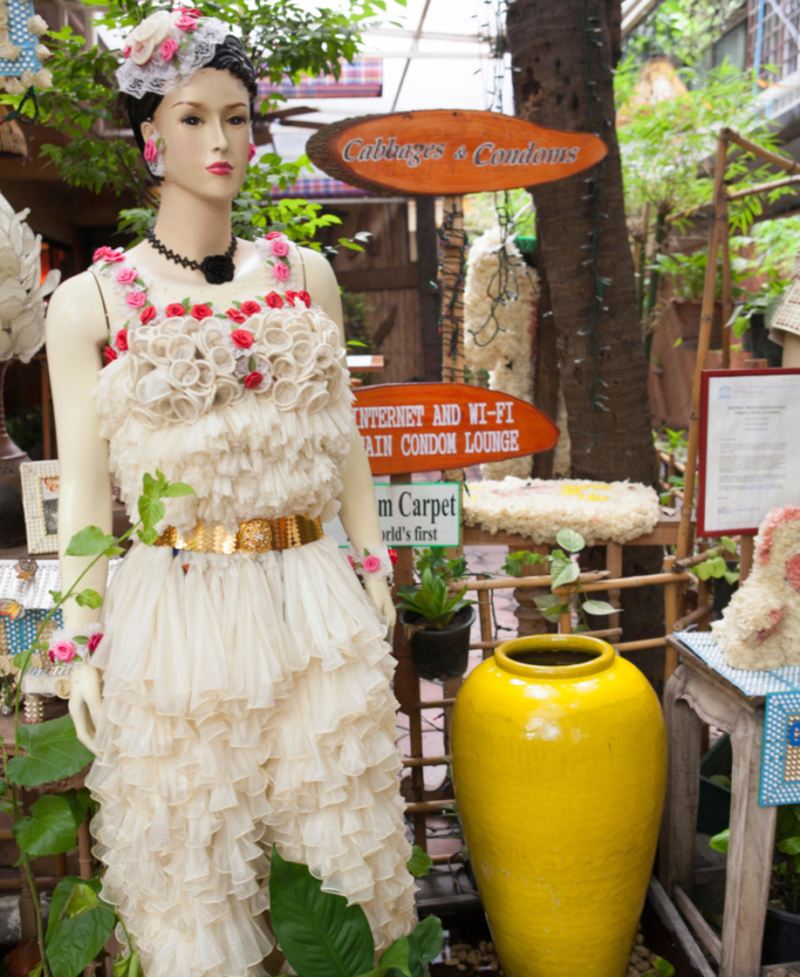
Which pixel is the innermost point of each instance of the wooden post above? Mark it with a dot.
(685, 529)
(427, 271)
(485, 617)
(614, 567)
(670, 616)
(453, 273)
(746, 547)
(727, 283)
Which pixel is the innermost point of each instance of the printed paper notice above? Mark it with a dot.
(752, 449)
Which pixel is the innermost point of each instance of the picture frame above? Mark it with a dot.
(40, 500)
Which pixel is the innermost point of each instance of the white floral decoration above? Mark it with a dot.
(15, 81)
(21, 294)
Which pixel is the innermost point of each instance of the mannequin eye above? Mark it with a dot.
(191, 120)
(238, 120)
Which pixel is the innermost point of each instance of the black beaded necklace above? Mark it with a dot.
(217, 268)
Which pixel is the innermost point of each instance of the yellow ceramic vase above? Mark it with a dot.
(559, 764)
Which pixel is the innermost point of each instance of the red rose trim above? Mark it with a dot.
(148, 313)
(236, 315)
(242, 338)
(305, 297)
(174, 308)
(392, 555)
(201, 311)
(249, 307)
(121, 340)
(109, 354)
(253, 379)
(274, 301)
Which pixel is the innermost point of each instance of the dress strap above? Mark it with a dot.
(102, 299)
(303, 263)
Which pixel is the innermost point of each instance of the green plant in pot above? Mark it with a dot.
(437, 621)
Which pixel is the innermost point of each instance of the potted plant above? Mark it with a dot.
(782, 926)
(436, 621)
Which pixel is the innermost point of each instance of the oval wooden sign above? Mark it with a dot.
(421, 427)
(444, 151)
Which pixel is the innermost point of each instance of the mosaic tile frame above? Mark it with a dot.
(33, 473)
(780, 763)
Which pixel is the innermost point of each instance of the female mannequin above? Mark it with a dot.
(246, 694)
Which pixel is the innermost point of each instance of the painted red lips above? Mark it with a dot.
(221, 169)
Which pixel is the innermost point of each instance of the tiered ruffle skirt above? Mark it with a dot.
(246, 702)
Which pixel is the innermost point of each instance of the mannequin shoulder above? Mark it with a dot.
(76, 310)
(321, 283)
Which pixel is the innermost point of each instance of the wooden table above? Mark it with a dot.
(696, 694)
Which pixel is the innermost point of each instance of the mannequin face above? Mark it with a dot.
(206, 123)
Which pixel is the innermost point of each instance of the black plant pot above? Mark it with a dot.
(441, 655)
(781, 937)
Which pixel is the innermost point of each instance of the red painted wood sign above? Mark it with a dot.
(442, 151)
(420, 427)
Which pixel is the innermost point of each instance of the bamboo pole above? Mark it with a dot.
(727, 283)
(503, 583)
(685, 528)
(786, 181)
(702, 612)
(425, 761)
(590, 582)
(782, 162)
(670, 614)
(640, 645)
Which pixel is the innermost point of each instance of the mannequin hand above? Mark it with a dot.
(84, 703)
(381, 597)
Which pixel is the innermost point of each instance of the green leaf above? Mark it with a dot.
(176, 489)
(56, 595)
(91, 541)
(74, 941)
(420, 862)
(663, 967)
(51, 827)
(113, 551)
(720, 841)
(127, 966)
(571, 541)
(425, 944)
(732, 577)
(52, 750)
(565, 574)
(36, 972)
(728, 544)
(720, 780)
(703, 570)
(790, 846)
(599, 607)
(82, 900)
(89, 598)
(396, 956)
(23, 659)
(151, 511)
(147, 536)
(318, 932)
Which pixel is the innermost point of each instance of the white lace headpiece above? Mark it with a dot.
(164, 50)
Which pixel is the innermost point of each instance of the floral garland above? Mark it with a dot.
(11, 52)
(375, 564)
(133, 286)
(63, 647)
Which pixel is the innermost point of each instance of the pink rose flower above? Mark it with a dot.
(184, 23)
(370, 564)
(280, 247)
(108, 254)
(63, 651)
(169, 49)
(150, 151)
(793, 572)
(126, 52)
(272, 235)
(351, 561)
(251, 152)
(136, 299)
(94, 641)
(281, 271)
(126, 276)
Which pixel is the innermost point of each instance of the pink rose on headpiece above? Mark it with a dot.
(125, 276)
(126, 52)
(149, 35)
(279, 247)
(186, 23)
(63, 651)
(136, 299)
(108, 254)
(273, 234)
(370, 564)
(281, 271)
(169, 49)
(93, 642)
(150, 151)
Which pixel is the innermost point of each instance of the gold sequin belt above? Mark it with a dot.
(255, 536)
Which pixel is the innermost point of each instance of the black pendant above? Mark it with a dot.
(217, 268)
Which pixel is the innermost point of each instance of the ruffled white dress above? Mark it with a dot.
(246, 698)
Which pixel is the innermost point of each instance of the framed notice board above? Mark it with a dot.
(749, 448)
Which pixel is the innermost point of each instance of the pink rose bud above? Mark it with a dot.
(370, 564)
(169, 49)
(184, 23)
(273, 234)
(94, 641)
(280, 247)
(63, 650)
(136, 299)
(251, 151)
(126, 276)
(126, 52)
(280, 271)
(150, 151)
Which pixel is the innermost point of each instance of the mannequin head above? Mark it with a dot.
(223, 91)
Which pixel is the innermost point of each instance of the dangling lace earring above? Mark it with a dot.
(154, 154)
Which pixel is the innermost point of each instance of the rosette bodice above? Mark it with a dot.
(240, 390)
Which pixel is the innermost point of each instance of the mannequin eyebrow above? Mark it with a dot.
(200, 105)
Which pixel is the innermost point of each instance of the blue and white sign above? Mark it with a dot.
(780, 766)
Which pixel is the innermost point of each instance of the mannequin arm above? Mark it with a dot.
(791, 350)
(359, 509)
(76, 329)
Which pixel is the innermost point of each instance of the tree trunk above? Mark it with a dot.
(563, 55)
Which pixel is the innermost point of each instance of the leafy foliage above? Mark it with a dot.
(79, 926)
(431, 599)
(52, 752)
(51, 827)
(683, 28)
(420, 862)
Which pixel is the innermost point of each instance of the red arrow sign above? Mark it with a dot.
(419, 427)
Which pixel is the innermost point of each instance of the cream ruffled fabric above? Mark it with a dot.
(246, 699)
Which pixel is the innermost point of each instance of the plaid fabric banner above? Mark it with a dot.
(319, 186)
(361, 79)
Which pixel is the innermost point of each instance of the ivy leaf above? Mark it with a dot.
(720, 841)
(151, 511)
(790, 846)
(571, 541)
(147, 536)
(318, 932)
(52, 752)
(176, 489)
(425, 944)
(89, 598)
(23, 659)
(663, 967)
(732, 577)
(56, 595)
(127, 966)
(600, 607)
(566, 574)
(76, 931)
(51, 827)
(420, 862)
(91, 541)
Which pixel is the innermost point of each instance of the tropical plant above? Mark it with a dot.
(322, 936)
(564, 572)
(688, 273)
(283, 37)
(80, 922)
(680, 28)
(431, 600)
(715, 566)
